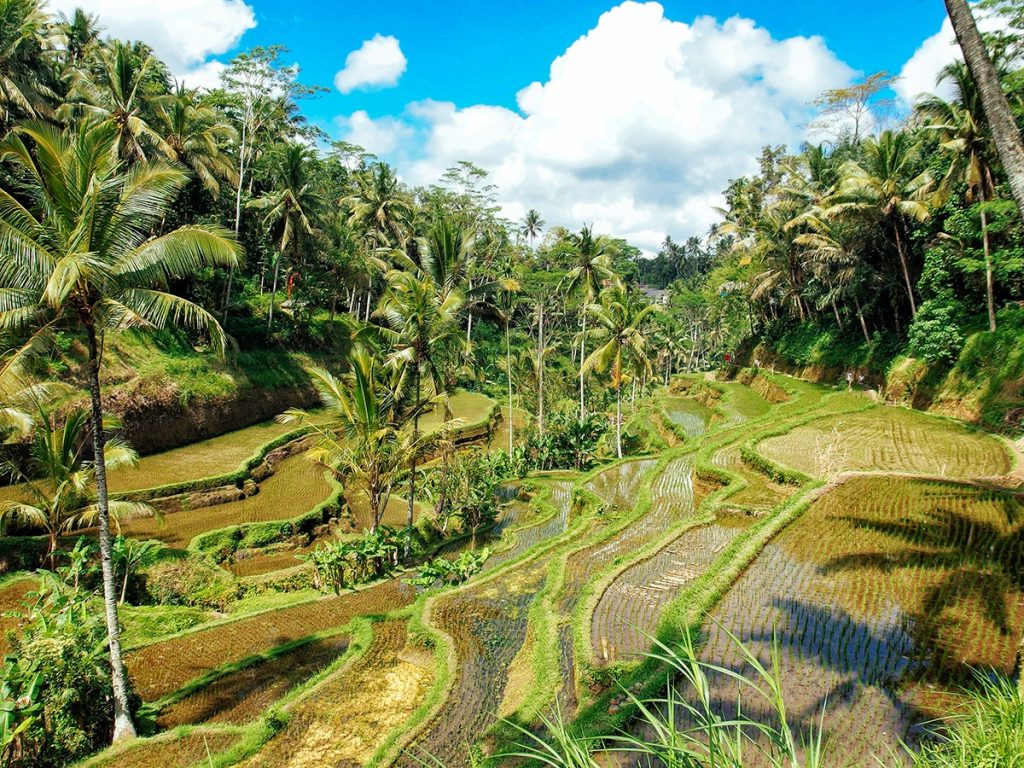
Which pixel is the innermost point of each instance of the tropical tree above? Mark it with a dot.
(379, 207)
(120, 98)
(132, 555)
(1005, 133)
(620, 319)
(77, 234)
(968, 144)
(360, 441)
(195, 136)
(509, 285)
(533, 225)
(593, 269)
(58, 487)
(80, 34)
(24, 91)
(885, 187)
(421, 323)
(291, 206)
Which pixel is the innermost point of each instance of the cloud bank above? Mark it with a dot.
(639, 126)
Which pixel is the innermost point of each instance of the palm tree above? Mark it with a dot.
(59, 487)
(829, 246)
(533, 225)
(620, 318)
(195, 135)
(965, 137)
(593, 269)
(23, 88)
(1000, 119)
(120, 98)
(381, 210)
(361, 442)
(421, 322)
(76, 235)
(291, 207)
(882, 187)
(81, 33)
(508, 286)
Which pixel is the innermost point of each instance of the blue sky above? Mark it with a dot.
(474, 51)
(628, 116)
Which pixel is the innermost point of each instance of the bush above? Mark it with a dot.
(188, 580)
(935, 334)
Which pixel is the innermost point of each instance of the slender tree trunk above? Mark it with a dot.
(369, 296)
(900, 249)
(860, 316)
(989, 281)
(583, 358)
(618, 420)
(540, 374)
(238, 217)
(469, 327)
(412, 466)
(124, 584)
(273, 293)
(993, 100)
(123, 726)
(508, 375)
(835, 311)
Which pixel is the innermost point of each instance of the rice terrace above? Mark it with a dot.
(321, 446)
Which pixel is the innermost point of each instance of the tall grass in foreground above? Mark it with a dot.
(686, 728)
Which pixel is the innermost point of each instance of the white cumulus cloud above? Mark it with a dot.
(377, 63)
(921, 71)
(637, 129)
(184, 33)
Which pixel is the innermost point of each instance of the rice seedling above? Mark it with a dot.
(692, 417)
(177, 750)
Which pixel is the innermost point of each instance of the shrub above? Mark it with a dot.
(935, 335)
(188, 580)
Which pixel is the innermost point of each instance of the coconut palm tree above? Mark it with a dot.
(361, 442)
(509, 285)
(120, 97)
(80, 33)
(829, 246)
(79, 253)
(593, 269)
(1005, 133)
(533, 225)
(24, 91)
(620, 319)
(966, 139)
(291, 206)
(58, 488)
(884, 187)
(422, 324)
(195, 136)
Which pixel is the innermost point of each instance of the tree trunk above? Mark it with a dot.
(123, 726)
(124, 584)
(835, 311)
(469, 327)
(540, 374)
(618, 420)
(412, 465)
(989, 281)
(583, 357)
(860, 316)
(238, 218)
(273, 294)
(993, 101)
(906, 269)
(508, 375)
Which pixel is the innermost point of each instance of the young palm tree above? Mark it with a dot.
(593, 269)
(361, 442)
(195, 135)
(76, 235)
(422, 324)
(620, 326)
(59, 488)
(882, 187)
(533, 225)
(966, 138)
(380, 207)
(120, 98)
(291, 207)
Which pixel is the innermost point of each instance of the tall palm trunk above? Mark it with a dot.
(273, 293)
(123, 726)
(238, 218)
(993, 100)
(989, 280)
(412, 465)
(904, 265)
(508, 375)
(860, 316)
(540, 373)
(583, 358)
(618, 420)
